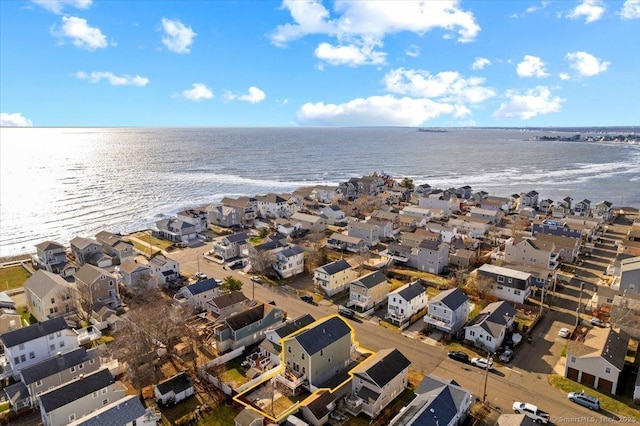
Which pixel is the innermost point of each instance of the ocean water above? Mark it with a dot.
(58, 183)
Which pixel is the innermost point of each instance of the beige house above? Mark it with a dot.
(598, 359)
(368, 291)
(334, 277)
(48, 295)
(95, 285)
(530, 251)
(311, 222)
(10, 320)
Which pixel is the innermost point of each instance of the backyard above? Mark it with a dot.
(13, 277)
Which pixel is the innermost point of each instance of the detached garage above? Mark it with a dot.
(597, 359)
(174, 389)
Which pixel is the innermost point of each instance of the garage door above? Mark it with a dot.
(605, 385)
(572, 374)
(588, 379)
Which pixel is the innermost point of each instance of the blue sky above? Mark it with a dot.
(313, 63)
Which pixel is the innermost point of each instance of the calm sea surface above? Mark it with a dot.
(60, 183)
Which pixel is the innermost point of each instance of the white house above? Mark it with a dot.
(174, 389)
(335, 216)
(164, 269)
(127, 411)
(507, 284)
(28, 345)
(488, 330)
(334, 277)
(198, 294)
(290, 261)
(448, 311)
(405, 302)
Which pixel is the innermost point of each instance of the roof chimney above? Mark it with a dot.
(59, 354)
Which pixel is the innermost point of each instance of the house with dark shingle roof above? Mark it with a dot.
(289, 261)
(126, 411)
(597, 359)
(270, 346)
(405, 302)
(29, 345)
(78, 398)
(226, 304)
(87, 250)
(48, 295)
(248, 417)
(377, 381)
(334, 277)
(368, 291)
(438, 402)
(246, 327)
(490, 327)
(316, 353)
(199, 293)
(317, 409)
(51, 256)
(448, 311)
(174, 389)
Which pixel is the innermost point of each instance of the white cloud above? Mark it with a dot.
(254, 96)
(592, 10)
(365, 24)
(14, 120)
(351, 55)
(446, 86)
(630, 9)
(114, 80)
(82, 35)
(177, 37)
(564, 76)
(198, 92)
(480, 63)
(413, 51)
(586, 64)
(375, 111)
(533, 102)
(531, 66)
(56, 6)
(543, 4)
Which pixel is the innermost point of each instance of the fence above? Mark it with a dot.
(202, 370)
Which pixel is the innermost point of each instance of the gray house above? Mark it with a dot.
(448, 311)
(223, 216)
(429, 255)
(51, 256)
(73, 400)
(127, 411)
(230, 246)
(246, 327)
(113, 245)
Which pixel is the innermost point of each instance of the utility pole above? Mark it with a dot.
(486, 377)
(542, 299)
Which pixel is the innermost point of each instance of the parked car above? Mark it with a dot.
(307, 298)
(256, 279)
(564, 332)
(597, 322)
(505, 356)
(347, 313)
(482, 363)
(531, 411)
(585, 400)
(459, 356)
(201, 276)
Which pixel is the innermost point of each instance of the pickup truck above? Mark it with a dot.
(531, 411)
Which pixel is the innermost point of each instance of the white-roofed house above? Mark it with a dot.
(507, 284)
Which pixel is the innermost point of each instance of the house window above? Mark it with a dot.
(62, 344)
(73, 369)
(52, 347)
(32, 355)
(516, 292)
(289, 349)
(92, 361)
(58, 333)
(94, 395)
(72, 417)
(499, 287)
(488, 338)
(23, 358)
(329, 360)
(472, 333)
(500, 279)
(39, 383)
(302, 355)
(51, 337)
(607, 370)
(105, 401)
(80, 367)
(321, 352)
(110, 283)
(104, 391)
(573, 359)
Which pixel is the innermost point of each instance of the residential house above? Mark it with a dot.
(629, 247)
(230, 246)
(247, 207)
(315, 354)
(464, 192)
(223, 216)
(628, 281)
(496, 203)
(582, 208)
(48, 295)
(568, 248)
(248, 417)
(597, 360)
(10, 320)
(447, 232)
(317, 408)
(195, 217)
(554, 227)
(345, 242)
(405, 302)
(127, 411)
(369, 233)
(438, 402)
(448, 311)
(408, 223)
(310, 222)
(385, 228)
(164, 269)
(334, 215)
(276, 205)
(604, 211)
(388, 216)
(227, 304)
(198, 294)
(506, 283)
(419, 214)
(136, 275)
(561, 209)
(462, 258)
(290, 261)
(488, 330)
(334, 277)
(474, 227)
(78, 398)
(434, 201)
(545, 206)
(270, 346)
(50, 256)
(368, 291)
(492, 216)
(29, 345)
(530, 251)
(175, 230)
(87, 250)
(377, 381)
(246, 327)
(174, 389)
(286, 227)
(49, 373)
(116, 247)
(529, 199)
(429, 255)
(324, 194)
(96, 285)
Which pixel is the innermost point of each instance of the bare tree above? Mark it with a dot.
(262, 260)
(315, 256)
(623, 316)
(479, 285)
(84, 301)
(362, 257)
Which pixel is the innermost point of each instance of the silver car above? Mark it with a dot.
(585, 400)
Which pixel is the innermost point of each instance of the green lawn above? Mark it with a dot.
(234, 376)
(180, 410)
(13, 277)
(613, 403)
(222, 415)
(26, 316)
(144, 248)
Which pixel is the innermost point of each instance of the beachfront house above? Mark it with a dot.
(87, 250)
(223, 216)
(48, 295)
(195, 217)
(175, 230)
(247, 208)
(164, 269)
(334, 277)
(448, 311)
(51, 256)
(115, 246)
